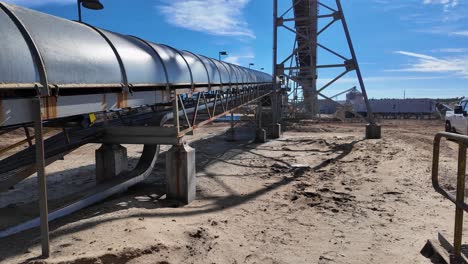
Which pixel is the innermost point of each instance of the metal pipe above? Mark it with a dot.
(41, 177)
(232, 125)
(79, 10)
(275, 58)
(457, 243)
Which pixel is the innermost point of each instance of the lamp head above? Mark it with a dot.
(92, 4)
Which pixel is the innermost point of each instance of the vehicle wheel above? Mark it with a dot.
(448, 127)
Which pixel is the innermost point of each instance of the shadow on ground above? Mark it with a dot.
(151, 192)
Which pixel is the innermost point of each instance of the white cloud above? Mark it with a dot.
(429, 64)
(215, 17)
(240, 59)
(451, 50)
(378, 79)
(447, 4)
(416, 55)
(463, 33)
(30, 3)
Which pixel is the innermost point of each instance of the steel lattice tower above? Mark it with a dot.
(300, 68)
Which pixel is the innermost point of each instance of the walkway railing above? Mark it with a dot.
(455, 253)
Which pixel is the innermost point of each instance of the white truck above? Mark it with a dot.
(457, 120)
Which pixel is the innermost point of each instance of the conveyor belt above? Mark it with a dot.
(21, 165)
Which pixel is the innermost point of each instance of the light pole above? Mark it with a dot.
(90, 4)
(251, 64)
(222, 53)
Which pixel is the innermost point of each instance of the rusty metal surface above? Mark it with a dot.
(463, 142)
(459, 198)
(59, 55)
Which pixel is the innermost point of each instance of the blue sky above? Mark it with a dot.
(415, 46)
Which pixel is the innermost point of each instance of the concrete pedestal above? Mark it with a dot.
(181, 174)
(111, 160)
(231, 135)
(260, 135)
(275, 130)
(373, 131)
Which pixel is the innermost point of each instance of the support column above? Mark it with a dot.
(275, 102)
(260, 133)
(41, 177)
(275, 130)
(181, 173)
(232, 132)
(111, 160)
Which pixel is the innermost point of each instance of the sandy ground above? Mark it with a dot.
(358, 201)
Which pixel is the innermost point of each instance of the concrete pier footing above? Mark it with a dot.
(373, 131)
(275, 130)
(181, 173)
(111, 160)
(261, 135)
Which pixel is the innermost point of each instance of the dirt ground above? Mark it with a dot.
(319, 194)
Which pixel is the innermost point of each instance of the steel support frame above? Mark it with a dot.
(301, 72)
(215, 104)
(187, 111)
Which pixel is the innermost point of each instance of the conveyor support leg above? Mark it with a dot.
(373, 131)
(260, 133)
(276, 130)
(181, 173)
(111, 160)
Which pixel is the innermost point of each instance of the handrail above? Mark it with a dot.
(459, 199)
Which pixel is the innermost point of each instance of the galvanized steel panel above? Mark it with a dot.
(224, 72)
(199, 72)
(141, 63)
(257, 76)
(177, 69)
(247, 77)
(262, 77)
(18, 111)
(253, 77)
(239, 73)
(232, 77)
(215, 77)
(234, 74)
(16, 62)
(73, 53)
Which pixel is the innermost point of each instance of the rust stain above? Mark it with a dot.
(49, 107)
(104, 102)
(122, 100)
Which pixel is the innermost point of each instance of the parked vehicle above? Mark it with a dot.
(457, 120)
